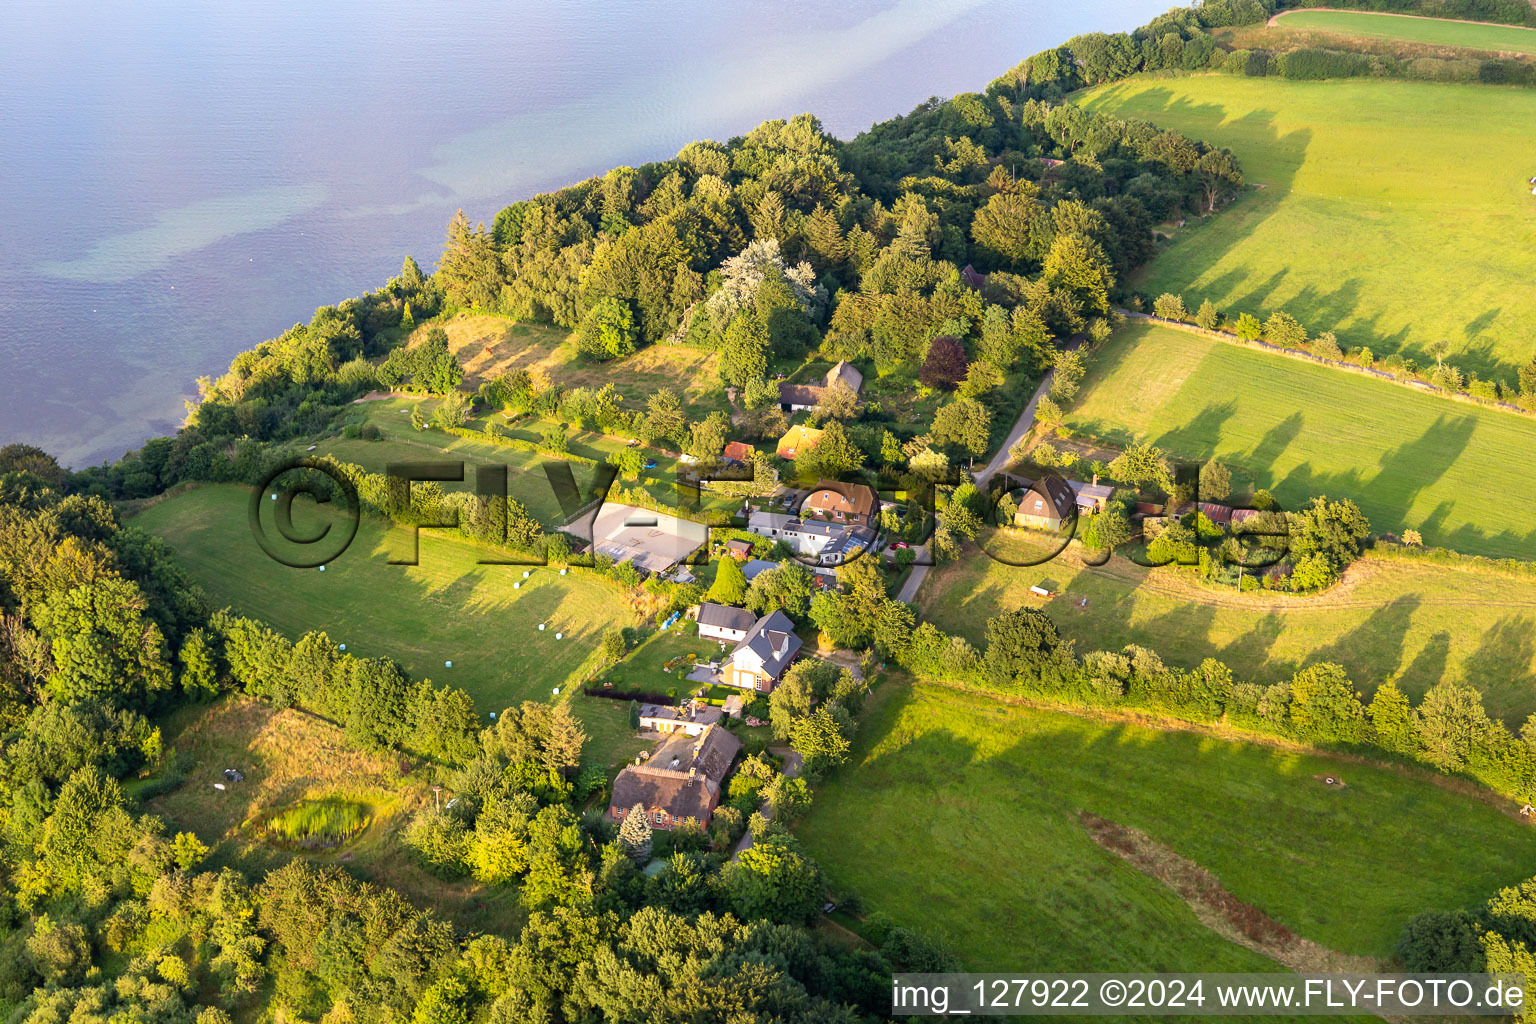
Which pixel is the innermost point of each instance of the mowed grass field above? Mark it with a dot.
(446, 608)
(967, 816)
(1451, 470)
(1394, 213)
(1433, 31)
(1408, 622)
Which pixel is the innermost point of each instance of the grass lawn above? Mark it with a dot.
(447, 608)
(1411, 623)
(966, 813)
(1434, 31)
(1395, 213)
(293, 760)
(1451, 470)
(645, 670)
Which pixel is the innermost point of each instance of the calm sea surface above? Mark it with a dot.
(183, 179)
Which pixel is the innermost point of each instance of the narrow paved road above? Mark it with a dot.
(914, 579)
(1021, 427)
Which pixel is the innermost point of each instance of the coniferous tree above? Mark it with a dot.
(635, 833)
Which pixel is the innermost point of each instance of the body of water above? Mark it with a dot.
(182, 180)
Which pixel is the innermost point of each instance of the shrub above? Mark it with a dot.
(1284, 330)
(1208, 316)
(1318, 64)
(1326, 346)
(1170, 307)
(1248, 327)
(372, 433)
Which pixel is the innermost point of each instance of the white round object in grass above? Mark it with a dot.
(518, 585)
(559, 636)
(562, 572)
(541, 627)
(342, 646)
(447, 664)
(526, 573)
(274, 497)
(555, 691)
(322, 568)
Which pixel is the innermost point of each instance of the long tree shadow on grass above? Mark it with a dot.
(1205, 121)
(1371, 652)
(1501, 668)
(1428, 666)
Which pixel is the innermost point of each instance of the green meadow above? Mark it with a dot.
(447, 608)
(1454, 471)
(1407, 622)
(1394, 213)
(967, 816)
(1433, 31)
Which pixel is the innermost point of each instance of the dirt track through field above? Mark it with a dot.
(1215, 907)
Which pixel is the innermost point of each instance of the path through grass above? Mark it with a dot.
(966, 811)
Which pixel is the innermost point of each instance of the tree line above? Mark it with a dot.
(1024, 655)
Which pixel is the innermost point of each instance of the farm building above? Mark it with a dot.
(802, 397)
(1091, 497)
(682, 781)
(1221, 515)
(830, 543)
(691, 718)
(653, 541)
(722, 622)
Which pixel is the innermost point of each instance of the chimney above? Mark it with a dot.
(1095, 479)
(692, 771)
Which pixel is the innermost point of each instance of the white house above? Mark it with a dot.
(722, 622)
(830, 543)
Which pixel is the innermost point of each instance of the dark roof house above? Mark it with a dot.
(757, 567)
(1047, 502)
(771, 642)
(722, 622)
(682, 779)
